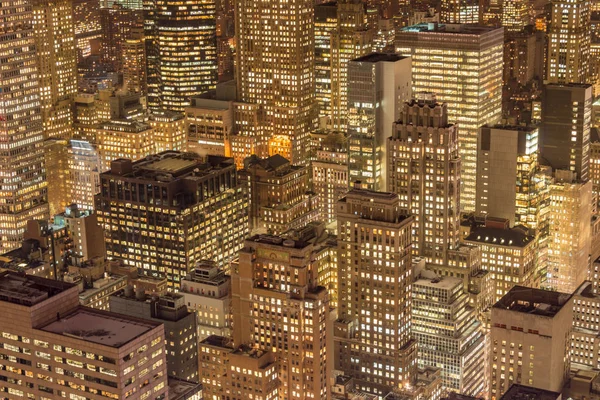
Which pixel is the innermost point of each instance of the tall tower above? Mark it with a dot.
(373, 339)
(377, 85)
(424, 169)
(23, 193)
(134, 62)
(569, 35)
(566, 123)
(57, 65)
(440, 56)
(275, 69)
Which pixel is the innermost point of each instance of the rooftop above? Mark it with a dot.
(464, 29)
(440, 282)
(533, 301)
(28, 290)
(521, 392)
(380, 57)
(180, 389)
(108, 329)
(504, 237)
(278, 241)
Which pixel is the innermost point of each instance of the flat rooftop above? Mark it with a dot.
(380, 57)
(511, 237)
(171, 164)
(29, 290)
(464, 29)
(521, 392)
(180, 389)
(533, 301)
(108, 329)
(440, 282)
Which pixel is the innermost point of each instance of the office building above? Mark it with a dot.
(585, 345)
(118, 24)
(57, 65)
(209, 124)
(238, 373)
(460, 12)
(508, 174)
(57, 171)
(206, 292)
(71, 351)
(377, 86)
(23, 187)
(510, 255)
(181, 51)
(134, 62)
(85, 233)
(530, 340)
(474, 98)
(124, 139)
(275, 69)
(570, 232)
(330, 172)
(86, 117)
(515, 15)
(280, 196)
(352, 38)
(84, 173)
(88, 30)
(278, 306)
(569, 36)
(181, 340)
(326, 24)
(169, 130)
(424, 148)
(566, 123)
(371, 343)
(448, 333)
(187, 208)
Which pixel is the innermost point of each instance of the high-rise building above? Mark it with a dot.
(23, 187)
(423, 168)
(570, 232)
(569, 36)
(448, 333)
(275, 69)
(84, 173)
(237, 373)
(330, 172)
(57, 65)
(280, 195)
(278, 306)
(70, 351)
(181, 340)
(351, 39)
(206, 291)
(374, 343)
(134, 62)
(84, 232)
(377, 86)
(182, 58)
(586, 313)
(325, 24)
(209, 124)
(169, 130)
(507, 168)
(566, 123)
(118, 24)
(187, 208)
(530, 340)
(124, 139)
(510, 255)
(460, 11)
(515, 15)
(441, 55)
(57, 172)
(88, 29)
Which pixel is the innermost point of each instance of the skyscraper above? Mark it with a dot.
(325, 24)
(134, 62)
(373, 342)
(424, 170)
(569, 37)
(515, 15)
(57, 65)
(23, 188)
(198, 204)
(275, 69)
(566, 123)
(377, 85)
(462, 66)
(569, 233)
(530, 340)
(460, 12)
(278, 306)
(182, 58)
(351, 39)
